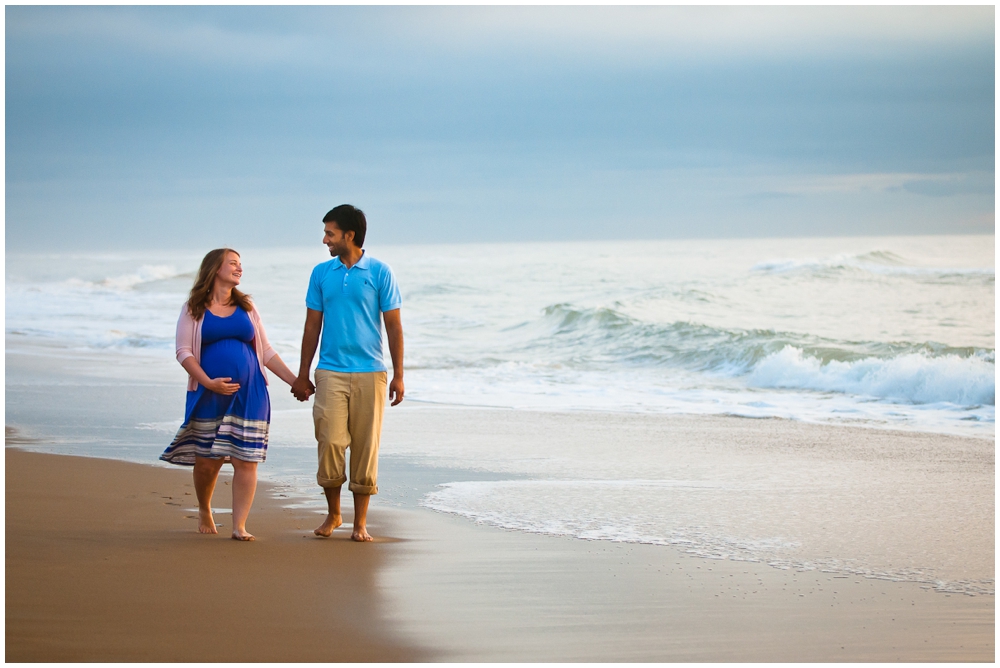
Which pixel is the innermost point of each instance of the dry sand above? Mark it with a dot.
(103, 564)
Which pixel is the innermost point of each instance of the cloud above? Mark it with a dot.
(936, 185)
(154, 32)
(949, 185)
(816, 184)
(634, 34)
(460, 117)
(692, 31)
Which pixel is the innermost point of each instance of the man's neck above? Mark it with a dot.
(351, 257)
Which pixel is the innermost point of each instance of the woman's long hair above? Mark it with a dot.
(201, 293)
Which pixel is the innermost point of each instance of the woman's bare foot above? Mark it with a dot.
(361, 535)
(243, 535)
(327, 527)
(206, 523)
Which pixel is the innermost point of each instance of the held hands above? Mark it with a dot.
(303, 388)
(222, 386)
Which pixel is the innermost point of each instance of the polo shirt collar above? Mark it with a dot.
(363, 263)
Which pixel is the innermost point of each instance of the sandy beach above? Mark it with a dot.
(103, 563)
(488, 595)
(693, 310)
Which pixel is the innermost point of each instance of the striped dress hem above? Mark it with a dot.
(228, 436)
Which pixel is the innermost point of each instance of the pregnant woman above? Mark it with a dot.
(222, 345)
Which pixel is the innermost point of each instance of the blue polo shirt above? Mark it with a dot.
(352, 301)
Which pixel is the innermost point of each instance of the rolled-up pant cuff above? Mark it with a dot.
(363, 489)
(331, 482)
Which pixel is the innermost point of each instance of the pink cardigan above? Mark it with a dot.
(189, 341)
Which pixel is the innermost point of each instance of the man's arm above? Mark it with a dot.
(303, 387)
(394, 331)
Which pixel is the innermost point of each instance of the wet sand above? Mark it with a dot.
(481, 594)
(104, 564)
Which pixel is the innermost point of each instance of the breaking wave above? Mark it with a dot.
(874, 262)
(924, 372)
(914, 377)
(144, 274)
(134, 310)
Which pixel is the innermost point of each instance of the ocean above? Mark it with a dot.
(884, 333)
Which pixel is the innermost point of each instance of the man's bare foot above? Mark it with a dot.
(243, 535)
(206, 523)
(361, 535)
(327, 527)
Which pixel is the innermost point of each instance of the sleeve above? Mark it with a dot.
(314, 296)
(389, 298)
(184, 338)
(267, 351)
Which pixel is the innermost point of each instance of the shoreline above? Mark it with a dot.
(483, 594)
(906, 506)
(843, 423)
(911, 506)
(34, 358)
(98, 568)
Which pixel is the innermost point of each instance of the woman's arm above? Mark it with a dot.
(278, 367)
(217, 385)
(185, 335)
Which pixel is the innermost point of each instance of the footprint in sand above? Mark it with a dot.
(194, 517)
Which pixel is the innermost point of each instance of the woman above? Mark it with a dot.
(222, 345)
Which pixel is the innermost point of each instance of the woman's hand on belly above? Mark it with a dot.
(222, 386)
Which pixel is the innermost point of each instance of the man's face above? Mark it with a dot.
(336, 240)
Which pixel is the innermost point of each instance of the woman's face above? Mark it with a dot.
(231, 270)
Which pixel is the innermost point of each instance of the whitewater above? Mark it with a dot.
(891, 332)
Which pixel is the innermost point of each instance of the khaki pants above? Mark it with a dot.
(347, 412)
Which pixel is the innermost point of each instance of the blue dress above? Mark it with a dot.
(217, 425)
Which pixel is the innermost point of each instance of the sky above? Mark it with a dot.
(189, 127)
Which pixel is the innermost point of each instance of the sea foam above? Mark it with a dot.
(130, 281)
(874, 262)
(911, 372)
(699, 327)
(914, 378)
(701, 518)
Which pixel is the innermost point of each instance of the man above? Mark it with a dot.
(346, 297)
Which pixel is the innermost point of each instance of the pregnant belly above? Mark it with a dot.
(229, 357)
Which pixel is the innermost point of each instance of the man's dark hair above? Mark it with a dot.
(349, 219)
